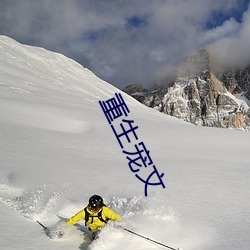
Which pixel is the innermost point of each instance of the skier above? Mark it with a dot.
(95, 214)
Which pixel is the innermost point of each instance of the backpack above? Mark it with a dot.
(88, 216)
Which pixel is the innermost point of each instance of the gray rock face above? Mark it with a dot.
(237, 81)
(200, 97)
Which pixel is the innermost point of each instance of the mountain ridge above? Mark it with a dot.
(201, 95)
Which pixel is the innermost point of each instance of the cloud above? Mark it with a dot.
(126, 42)
(233, 49)
(228, 28)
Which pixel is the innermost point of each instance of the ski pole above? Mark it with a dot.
(45, 228)
(149, 239)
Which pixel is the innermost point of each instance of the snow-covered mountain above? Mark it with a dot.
(201, 95)
(57, 149)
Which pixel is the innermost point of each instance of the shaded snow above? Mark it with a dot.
(57, 149)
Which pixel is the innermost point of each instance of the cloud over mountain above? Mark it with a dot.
(130, 41)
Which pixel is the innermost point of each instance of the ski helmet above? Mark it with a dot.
(95, 202)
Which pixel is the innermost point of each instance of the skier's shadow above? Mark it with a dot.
(87, 235)
(85, 244)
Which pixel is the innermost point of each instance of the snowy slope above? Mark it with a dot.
(57, 149)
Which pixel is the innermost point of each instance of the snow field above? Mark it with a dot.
(57, 149)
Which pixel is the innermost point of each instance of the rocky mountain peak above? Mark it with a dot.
(196, 64)
(202, 97)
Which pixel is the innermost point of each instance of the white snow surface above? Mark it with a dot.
(57, 149)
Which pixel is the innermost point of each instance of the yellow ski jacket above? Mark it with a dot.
(94, 223)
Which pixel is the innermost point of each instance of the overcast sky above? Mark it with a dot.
(131, 41)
